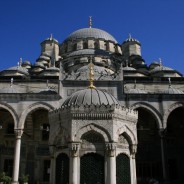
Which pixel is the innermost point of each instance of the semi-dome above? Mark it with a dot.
(172, 90)
(91, 33)
(90, 97)
(136, 91)
(96, 52)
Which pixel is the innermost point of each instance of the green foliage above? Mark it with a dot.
(4, 178)
(25, 178)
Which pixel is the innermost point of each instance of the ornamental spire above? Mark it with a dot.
(91, 74)
(130, 36)
(169, 79)
(51, 36)
(90, 21)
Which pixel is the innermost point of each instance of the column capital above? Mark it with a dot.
(162, 133)
(74, 149)
(18, 133)
(133, 149)
(110, 148)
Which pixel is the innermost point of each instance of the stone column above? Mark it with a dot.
(111, 163)
(163, 154)
(18, 134)
(74, 154)
(52, 164)
(133, 164)
(52, 169)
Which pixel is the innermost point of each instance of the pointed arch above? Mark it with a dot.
(169, 110)
(33, 107)
(130, 135)
(11, 111)
(95, 128)
(152, 110)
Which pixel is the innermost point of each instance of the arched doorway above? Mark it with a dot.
(7, 141)
(148, 157)
(92, 169)
(123, 169)
(62, 169)
(35, 156)
(175, 145)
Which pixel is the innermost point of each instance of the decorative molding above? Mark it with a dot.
(110, 149)
(74, 150)
(18, 133)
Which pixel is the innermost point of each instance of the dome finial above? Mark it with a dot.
(91, 74)
(11, 83)
(160, 60)
(135, 84)
(51, 36)
(130, 36)
(169, 79)
(161, 65)
(90, 21)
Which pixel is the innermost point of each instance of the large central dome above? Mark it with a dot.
(91, 33)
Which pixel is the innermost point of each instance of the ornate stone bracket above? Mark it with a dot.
(110, 148)
(75, 149)
(133, 149)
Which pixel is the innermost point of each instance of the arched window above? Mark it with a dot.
(62, 169)
(123, 169)
(92, 169)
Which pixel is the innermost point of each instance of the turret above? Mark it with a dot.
(131, 51)
(50, 48)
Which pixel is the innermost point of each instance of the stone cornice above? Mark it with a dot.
(28, 97)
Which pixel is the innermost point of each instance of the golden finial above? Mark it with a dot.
(90, 21)
(91, 74)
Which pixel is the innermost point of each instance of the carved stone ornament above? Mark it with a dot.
(110, 149)
(133, 149)
(74, 149)
(18, 133)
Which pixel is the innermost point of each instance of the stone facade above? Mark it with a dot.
(132, 123)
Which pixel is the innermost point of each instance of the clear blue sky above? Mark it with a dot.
(157, 24)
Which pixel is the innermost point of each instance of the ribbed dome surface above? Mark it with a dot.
(91, 33)
(171, 90)
(9, 90)
(90, 97)
(136, 91)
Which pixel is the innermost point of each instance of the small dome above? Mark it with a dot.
(130, 39)
(127, 68)
(38, 64)
(26, 63)
(90, 97)
(161, 68)
(10, 89)
(47, 58)
(136, 91)
(91, 33)
(172, 90)
(15, 70)
(47, 91)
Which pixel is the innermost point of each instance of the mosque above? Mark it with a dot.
(91, 111)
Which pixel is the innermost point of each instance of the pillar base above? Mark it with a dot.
(14, 182)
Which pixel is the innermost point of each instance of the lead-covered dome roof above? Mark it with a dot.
(91, 33)
(90, 97)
